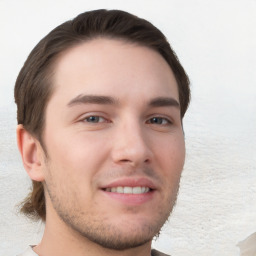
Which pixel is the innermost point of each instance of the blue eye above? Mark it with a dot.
(159, 120)
(94, 119)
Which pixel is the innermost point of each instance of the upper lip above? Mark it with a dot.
(131, 182)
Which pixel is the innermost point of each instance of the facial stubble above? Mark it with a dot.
(100, 229)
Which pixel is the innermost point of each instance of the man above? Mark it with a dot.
(100, 105)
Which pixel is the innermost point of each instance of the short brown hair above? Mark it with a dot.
(33, 87)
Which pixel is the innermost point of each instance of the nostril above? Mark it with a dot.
(125, 160)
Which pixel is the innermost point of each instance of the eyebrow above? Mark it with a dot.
(164, 102)
(107, 100)
(92, 99)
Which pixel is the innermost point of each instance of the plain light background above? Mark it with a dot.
(216, 43)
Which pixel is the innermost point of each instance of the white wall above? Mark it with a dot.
(216, 43)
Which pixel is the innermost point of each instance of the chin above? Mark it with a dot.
(119, 240)
(125, 234)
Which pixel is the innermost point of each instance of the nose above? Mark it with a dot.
(131, 145)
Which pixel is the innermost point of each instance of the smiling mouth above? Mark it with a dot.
(128, 190)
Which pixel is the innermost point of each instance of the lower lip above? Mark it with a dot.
(131, 199)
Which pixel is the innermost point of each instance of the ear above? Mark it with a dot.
(31, 152)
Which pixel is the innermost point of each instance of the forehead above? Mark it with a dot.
(110, 66)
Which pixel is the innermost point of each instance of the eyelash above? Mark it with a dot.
(167, 121)
(90, 117)
(149, 121)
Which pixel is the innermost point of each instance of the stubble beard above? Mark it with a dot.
(93, 226)
(118, 236)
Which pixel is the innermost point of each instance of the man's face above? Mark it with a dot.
(114, 141)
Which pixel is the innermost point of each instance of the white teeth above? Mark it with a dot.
(119, 190)
(129, 190)
(138, 190)
(113, 189)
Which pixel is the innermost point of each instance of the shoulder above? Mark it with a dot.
(28, 252)
(157, 253)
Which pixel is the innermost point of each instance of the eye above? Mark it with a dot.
(94, 119)
(159, 121)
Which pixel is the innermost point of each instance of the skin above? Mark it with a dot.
(132, 134)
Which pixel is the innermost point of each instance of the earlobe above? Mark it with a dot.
(31, 153)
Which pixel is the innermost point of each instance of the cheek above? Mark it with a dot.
(171, 156)
(77, 155)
